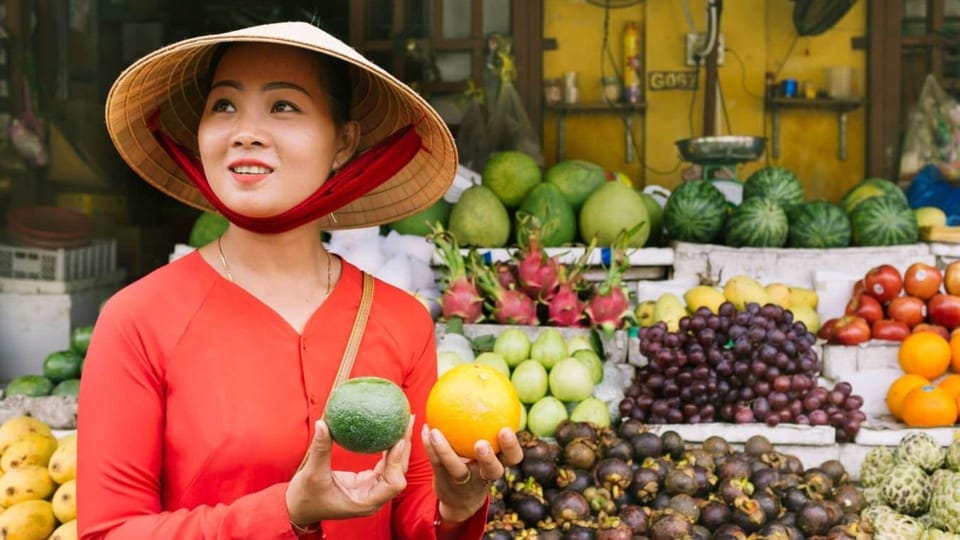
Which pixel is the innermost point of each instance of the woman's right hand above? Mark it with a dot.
(317, 493)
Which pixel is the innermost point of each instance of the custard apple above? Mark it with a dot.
(945, 503)
(920, 449)
(953, 456)
(870, 515)
(895, 526)
(938, 475)
(907, 489)
(876, 465)
(937, 534)
(872, 495)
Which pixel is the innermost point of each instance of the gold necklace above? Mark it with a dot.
(226, 267)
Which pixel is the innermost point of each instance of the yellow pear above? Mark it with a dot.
(27, 520)
(68, 439)
(18, 426)
(63, 462)
(704, 296)
(65, 502)
(669, 309)
(67, 531)
(808, 316)
(644, 313)
(24, 484)
(803, 297)
(743, 290)
(779, 294)
(32, 449)
(929, 216)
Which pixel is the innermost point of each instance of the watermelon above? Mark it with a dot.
(757, 222)
(819, 224)
(869, 188)
(695, 212)
(775, 183)
(883, 221)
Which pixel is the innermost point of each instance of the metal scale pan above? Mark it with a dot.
(718, 157)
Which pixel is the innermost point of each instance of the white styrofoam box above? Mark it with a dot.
(34, 325)
(614, 345)
(652, 289)
(834, 289)
(945, 253)
(791, 266)
(882, 436)
(839, 360)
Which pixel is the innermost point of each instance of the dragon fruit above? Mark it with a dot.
(536, 271)
(509, 306)
(609, 309)
(565, 307)
(460, 296)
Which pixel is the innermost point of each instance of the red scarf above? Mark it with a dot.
(357, 178)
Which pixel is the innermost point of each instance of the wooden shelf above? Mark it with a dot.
(596, 107)
(839, 106)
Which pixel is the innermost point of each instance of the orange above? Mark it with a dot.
(955, 350)
(899, 390)
(926, 354)
(929, 406)
(951, 384)
(472, 402)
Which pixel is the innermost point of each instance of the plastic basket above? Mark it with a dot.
(95, 260)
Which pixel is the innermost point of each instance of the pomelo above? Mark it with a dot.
(612, 208)
(577, 179)
(510, 175)
(558, 223)
(655, 213)
(367, 414)
(419, 223)
(480, 219)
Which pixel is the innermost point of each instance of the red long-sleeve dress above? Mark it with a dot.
(198, 401)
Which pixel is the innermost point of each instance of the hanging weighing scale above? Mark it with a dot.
(718, 156)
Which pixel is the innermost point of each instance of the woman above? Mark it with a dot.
(206, 380)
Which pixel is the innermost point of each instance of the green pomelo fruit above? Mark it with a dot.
(495, 361)
(612, 208)
(510, 176)
(530, 380)
(545, 415)
(591, 410)
(207, 228)
(571, 380)
(576, 179)
(29, 385)
(367, 414)
(419, 223)
(69, 387)
(558, 223)
(479, 219)
(655, 213)
(62, 365)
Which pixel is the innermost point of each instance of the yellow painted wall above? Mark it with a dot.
(759, 33)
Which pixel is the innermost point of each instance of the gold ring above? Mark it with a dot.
(465, 480)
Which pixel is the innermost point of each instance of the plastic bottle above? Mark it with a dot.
(632, 79)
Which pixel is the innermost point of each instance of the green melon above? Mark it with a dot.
(695, 212)
(819, 225)
(883, 221)
(558, 223)
(778, 184)
(757, 222)
(576, 179)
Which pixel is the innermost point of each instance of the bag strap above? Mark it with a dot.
(353, 343)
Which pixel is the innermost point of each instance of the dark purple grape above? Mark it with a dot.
(706, 337)
(781, 383)
(811, 402)
(627, 405)
(683, 324)
(674, 416)
(785, 416)
(695, 358)
(760, 408)
(758, 368)
(726, 309)
(659, 408)
(699, 389)
(802, 419)
(736, 331)
(789, 348)
(778, 400)
(772, 420)
(743, 415)
(740, 369)
(670, 389)
(726, 411)
(747, 393)
(837, 397)
(697, 324)
(684, 378)
(844, 387)
(639, 415)
(772, 373)
(671, 372)
(655, 382)
(782, 361)
(701, 373)
(795, 407)
(714, 356)
(724, 368)
(776, 337)
(851, 427)
(689, 410)
(860, 416)
(762, 388)
(713, 322)
(800, 383)
(787, 317)
(644, 401)
(837, 419)
(757, 334)
(767, 353)
(686, 394)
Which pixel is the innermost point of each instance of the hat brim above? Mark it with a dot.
(170, 80)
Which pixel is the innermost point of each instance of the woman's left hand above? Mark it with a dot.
(462, 484)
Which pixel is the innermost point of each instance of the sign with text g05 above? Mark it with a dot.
(673, 80)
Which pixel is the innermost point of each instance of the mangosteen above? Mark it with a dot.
(787, 480)
(794, 465)
(580, 531)
(699, 532)
(789, 519)
(794, 499)
(834, 511)
(600, 500)
(503, 529)
(635, 517)
(747, 513)
(670, 526)
(757, 445)
(541, 470)
(498, 534)
(500, 485)
(714, 514)
(580, 453)
(536, 449)
(569, 506)
(661, 501)
(630, 428)
(615, 447)
(836, 471)
(672, 444)
(646, 445)
(531, 509)
(813, 519)
(575, 479)
(764, 479)
(568, 430)
(614, 475)
(496, 509)
(817, 482)
(614, 529)
(549, 530)
(717, 445)
(645, 485)
(775, 531)
(705, 481)
(769, 503)
(733, 467)
(682, 480)
(686, 506)
(729, 531)
(700, 458)
(730, 488)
